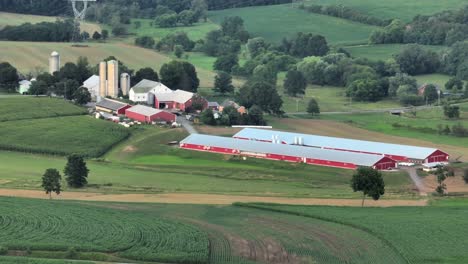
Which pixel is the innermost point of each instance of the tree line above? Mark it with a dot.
(58, 31)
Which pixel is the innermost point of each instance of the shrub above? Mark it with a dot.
(71, 253)
(3, 250)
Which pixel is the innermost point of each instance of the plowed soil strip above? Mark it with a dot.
(215, 199)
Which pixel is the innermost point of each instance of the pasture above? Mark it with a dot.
(384, 51)
(28, 56)
(279, 21)
(402, 9)
(437, 79)
(12, 19)
(25, 107)
(419, 234)
(61, 136)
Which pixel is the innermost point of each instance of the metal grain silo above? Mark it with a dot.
(54, 62)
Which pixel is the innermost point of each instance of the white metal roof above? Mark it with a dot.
(110, 104)
(338, 143)
(146, 86)
(179, 96)
(91, 82)
(359, 159)
(144, 110)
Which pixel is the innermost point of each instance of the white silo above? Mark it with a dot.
(102, 79)
(125, 83)
(54, 62)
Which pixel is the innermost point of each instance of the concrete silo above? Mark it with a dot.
(102, 79)
(125, 83)
(54, 62)
(112, 78)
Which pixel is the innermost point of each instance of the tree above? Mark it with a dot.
(398, 80)
(187, 18)
(166, 20)
(67, 88)
(38, 88)
(226, 63)
(105, 34)
(313, 107)
(200, 8)
(295, 83)
(76, 171)
(255, 116)
(178, 51)
(223, 83)
(430, 93)
(306, 44)
(451, 111)
(145, 42)
(442, 173)
(51, 182)
(414, 60)
(96, 35)
(180, 75)
(82, 96)
(207, 117)
(365, 90)
(265, 73)
(369, 181)
(198, 102)
(8, 77)
(260, 93)
(234, 27)
(145, 73)
(454, 83)
(255, 46)
(119, 30)
(85, 35)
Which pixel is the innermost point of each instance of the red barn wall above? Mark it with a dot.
(437, 156)
(122, 110)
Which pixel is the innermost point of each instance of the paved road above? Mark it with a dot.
(416, 179)
(186, 124)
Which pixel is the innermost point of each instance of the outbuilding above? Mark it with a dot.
(140, 93)
(290, 153)
(147, 114)
(178, 100)
(112, 106)
(400, 153)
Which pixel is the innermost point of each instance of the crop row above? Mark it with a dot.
(57, 226)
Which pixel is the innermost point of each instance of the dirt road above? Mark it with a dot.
(418, 182)
(214, 199)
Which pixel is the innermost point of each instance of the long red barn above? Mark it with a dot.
(299, 154)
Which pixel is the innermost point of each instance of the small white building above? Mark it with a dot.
(24, 86)
(92, 84)
(139, 92)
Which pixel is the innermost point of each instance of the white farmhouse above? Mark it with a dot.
(139, 92)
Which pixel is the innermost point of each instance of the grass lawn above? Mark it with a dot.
(195, 32)
(61, 136)
(401, 9)
(26, 56)
(25, 107)
(279, 21)
(420, 234)
(382, 52)
(438, 79)
(13, 19)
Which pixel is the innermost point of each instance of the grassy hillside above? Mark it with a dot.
(26, 56)
(421, 235)
(13, 19)
(23, 107)
(438, 79)
(279, 21)
(401, 9)
(382, 52)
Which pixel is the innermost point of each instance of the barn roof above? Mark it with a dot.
(359, 159)
(144, 110)
(145, 86)
(338, 143)
(179, 96)
(110, 104)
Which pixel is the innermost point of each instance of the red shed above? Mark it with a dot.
(147, 114)
(112, 106)
(179, 99)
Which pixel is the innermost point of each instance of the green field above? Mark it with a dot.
(195, 32)
(27, 56)
(24, 107)
(401, 9)
(279, 21)
(438, 79)
(61, 136)
(421, 234)
(422, 126)
(382, 52)
(12, 19)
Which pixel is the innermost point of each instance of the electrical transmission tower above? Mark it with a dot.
(79, 16)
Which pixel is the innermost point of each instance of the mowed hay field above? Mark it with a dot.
(61, 136)
(26, 56)
(402, 9)
(420, 234)
(18, 108)
(279, 21)
(182, 234)
(12, 19)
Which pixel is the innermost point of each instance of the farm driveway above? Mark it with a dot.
(214, 199)
(418, 182)
(186, 124)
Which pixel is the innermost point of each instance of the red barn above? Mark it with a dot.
(112, 106)
(147, 114)
(283, 152)
(179, 99)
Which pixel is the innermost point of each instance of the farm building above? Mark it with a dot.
(92, 84)
(139, 92)
(112, 106)
(24, 86)
(290, 153)
(148, 114)
(401, 153)
(179, 100)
